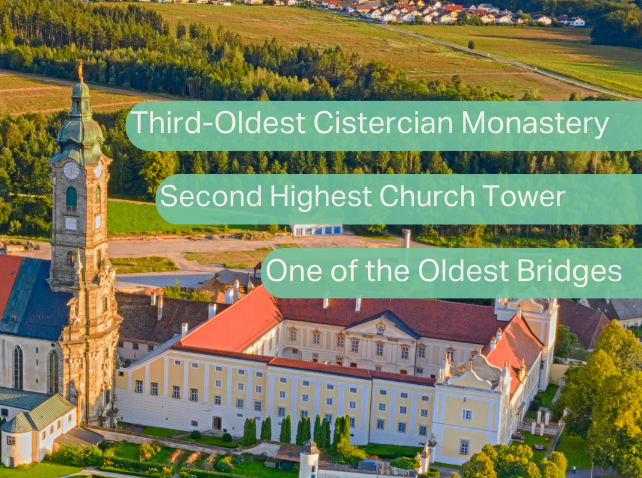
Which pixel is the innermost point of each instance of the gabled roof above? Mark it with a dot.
(40, 417)
(28, 306)
(582, 321)
(619, 309)
(390, 317)
(12, 397)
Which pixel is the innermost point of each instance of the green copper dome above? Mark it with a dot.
(79, 138)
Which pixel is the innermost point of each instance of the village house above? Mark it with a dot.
(503, 19)
(486, 17)
(577, 22)
(542, 19)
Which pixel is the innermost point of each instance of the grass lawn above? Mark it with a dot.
(302, 26)
(127, 451)
(548, 395)
(130, 265)
(564, 50)
(230, 259)
(532, 440)
(254, 468)
(216, 441)
(575, 450)
(161, 432)
(24, 95)
(293, 245)
(391, 451)
(40, 470)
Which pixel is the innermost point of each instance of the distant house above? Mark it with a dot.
(362, 9)
(407, 17)
(503, 19)
(577, 22)
(445, 18)
(518, 19)
(373, 14)
(468, 6)
(486, 18)
(453, 8)
(429, 17)
(387, 17)
(332, 4)
(543, 19)
(563, 19)
(485, 6)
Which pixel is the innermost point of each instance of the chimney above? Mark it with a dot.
(160, 308)
(493, 343)
(498, 335)
(519, 310)
(211, 310)
(608, 301)
(229, 296)
(358, 304)
(153, 297)
(236, 290)
(406, 238)
(184, 328)
(325, 302)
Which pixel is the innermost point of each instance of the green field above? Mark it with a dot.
(40, 470)
(575, 450)
(131, 265)
(564, 50)
(300, 26)
(531, 441)
(23, 95)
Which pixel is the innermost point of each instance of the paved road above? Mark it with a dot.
(518, 64)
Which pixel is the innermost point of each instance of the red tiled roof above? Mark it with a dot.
(321, 367)
(398, 377)
(453, 321)
(9, 266)
(453, 7)
(517, 343)
(582, 321)
(239, 325)
(222, 353)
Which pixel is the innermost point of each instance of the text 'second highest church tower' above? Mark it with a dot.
(79, 263)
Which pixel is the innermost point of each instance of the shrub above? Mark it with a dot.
(148, 450)
(272, 229)
(471, 45)
(227, 438)
(224, 465)
(196, 435)
(92, 456)
(68, 455)
(345, 453)
(405, 463)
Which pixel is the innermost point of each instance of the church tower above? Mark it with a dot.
(79, 263)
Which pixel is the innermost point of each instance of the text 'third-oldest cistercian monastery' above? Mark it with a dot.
(406, 371)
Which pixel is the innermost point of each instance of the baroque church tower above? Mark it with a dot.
(79, 263)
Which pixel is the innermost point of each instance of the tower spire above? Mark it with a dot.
(80, 71)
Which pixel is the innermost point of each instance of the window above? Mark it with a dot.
(328, 230)
(280, 412)
(240, 386)
(176, 362)
(72, 199)
(353, 422)
(194, 365)
(17, 368)
(305, 397)
(421, 352)
(420, 371)
(258, 389)
(98, 196)
(467, 415)
(240, 403)
(135, 347)
(355, 345)
(306, 383)
(259, 374)
(4, 412)
(337, 229)
(380, 330)
(304, 414)
(316, 338)
(120, 344)
(423, 430)
(328, 417)
(44, 434)
(339, 341)
(11, 441)
(352, 405)
(283, 380)
(176, 391)
(53, 372)
(153, 390)
(139, 386)
(240, 371)
(401, 427)
(51, 429)
(69, 418)
(403, 395)
(329, 401)
(382, 407)
(217, 400)
(451, 354)
(383, 392)
(403, 410)
(292, 335)
(218, 383)
(270, 344)
(353, 389)
(463, 447)
(379, 349)
(404, 353)
(71, 259)
(381, 424)
(193, 395)
(194, 423)
(282, 394)
(218, 369)
(150, 348)
(378, 368)
(258, 405)
(329, 386)
(423, 413)
(105, 304)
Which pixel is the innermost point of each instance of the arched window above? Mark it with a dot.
(105, 304)
(71, 259)
(17, 368)
(98, 196)
(53, 372)
(72, 199)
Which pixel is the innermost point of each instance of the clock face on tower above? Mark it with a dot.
(71, 170)
(99, 169)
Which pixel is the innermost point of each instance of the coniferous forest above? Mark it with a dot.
(131, 47)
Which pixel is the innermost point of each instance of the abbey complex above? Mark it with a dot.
(450, 375)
